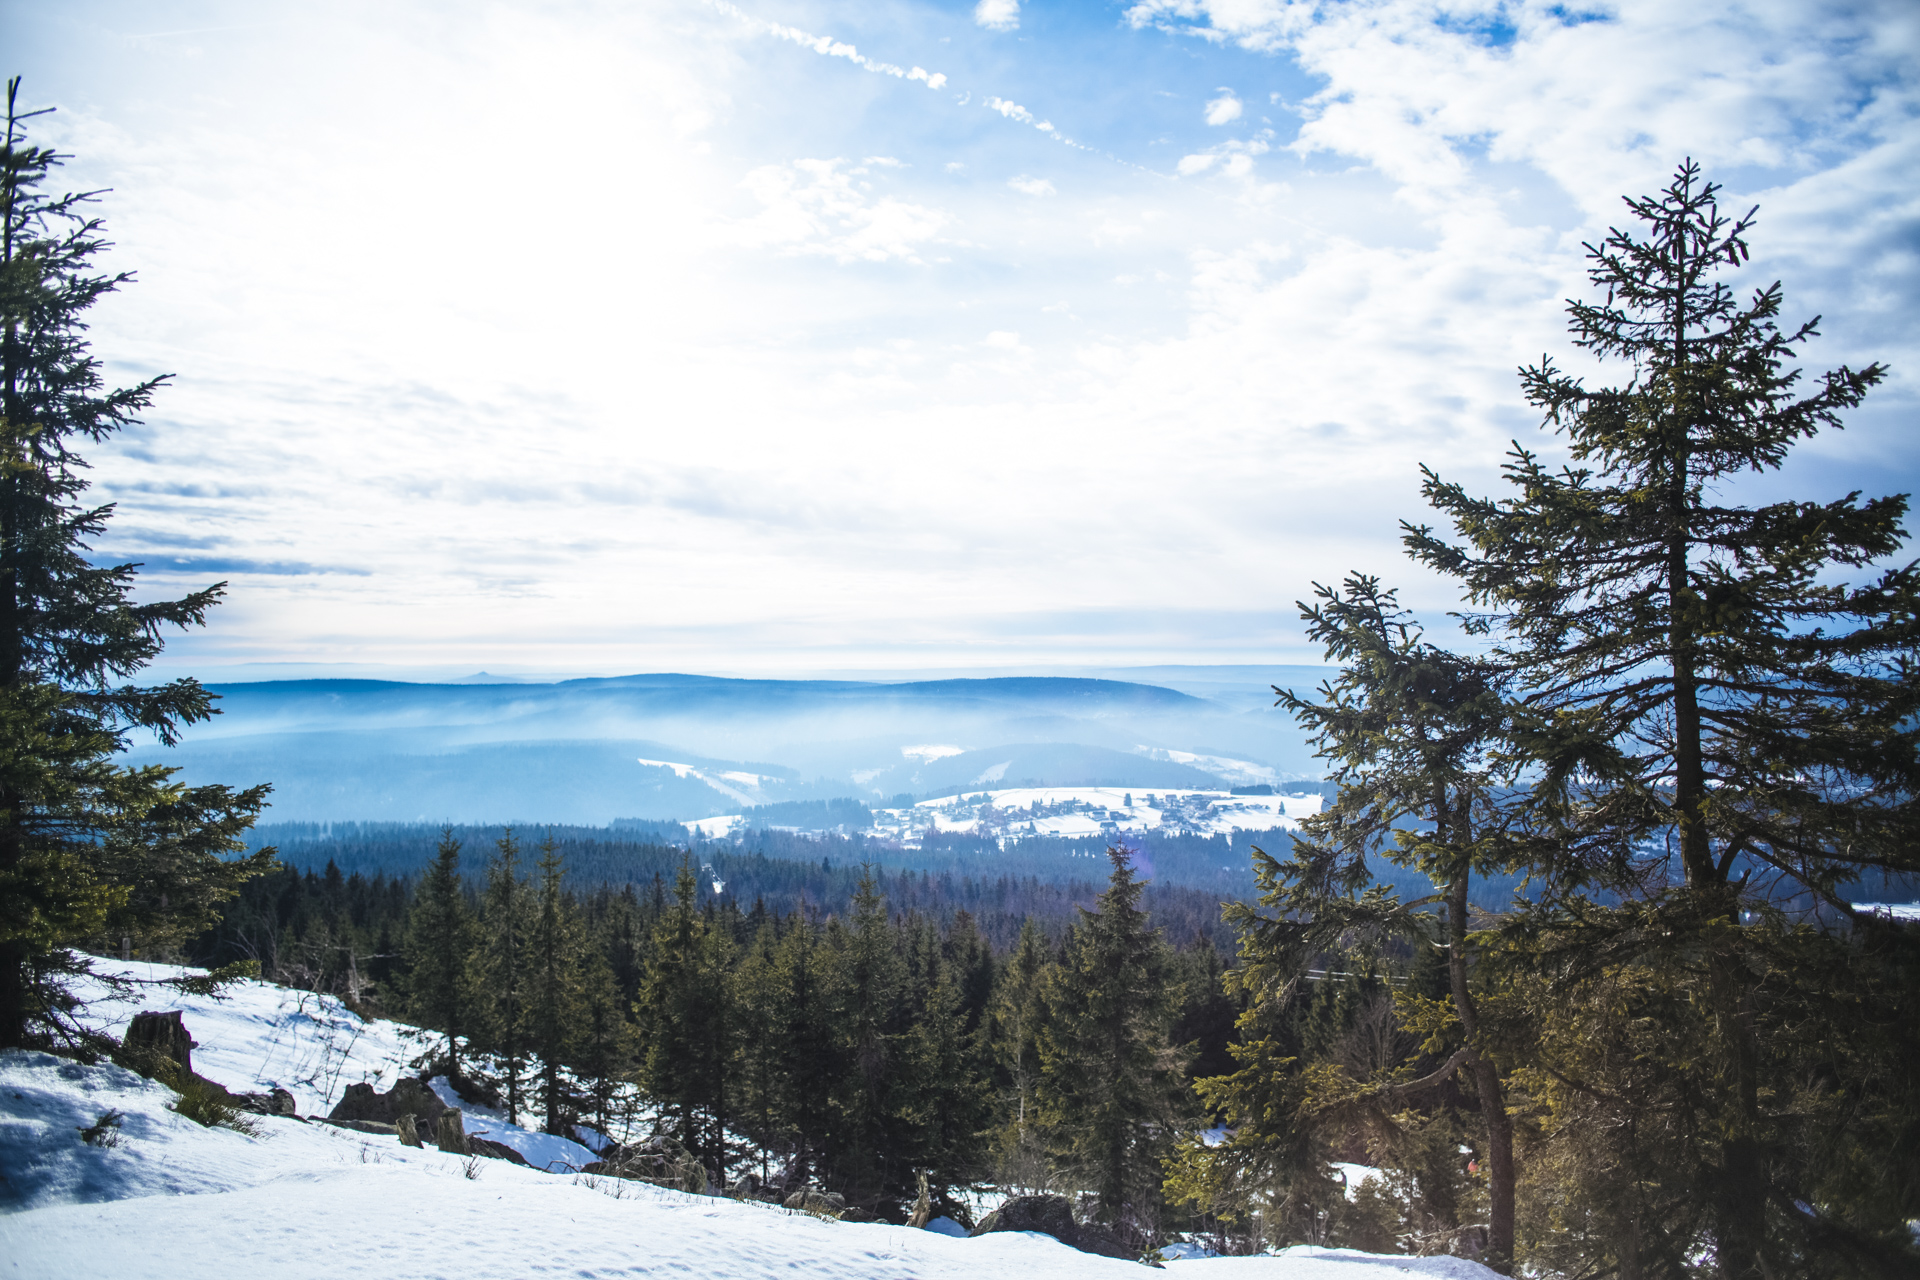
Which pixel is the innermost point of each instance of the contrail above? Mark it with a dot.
(829, 47)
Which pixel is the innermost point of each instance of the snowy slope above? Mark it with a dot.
(173, 1200)
(257, 1036)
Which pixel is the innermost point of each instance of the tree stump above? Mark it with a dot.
(409, 1133)
(153, 1037)
(451, 1133)
(923, 1206)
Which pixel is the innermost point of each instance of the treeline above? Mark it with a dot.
(328, 929)
(1218, 867)
(857, 1048)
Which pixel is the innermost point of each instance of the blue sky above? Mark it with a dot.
(688, 335)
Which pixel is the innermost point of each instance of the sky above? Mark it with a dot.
(789, 336)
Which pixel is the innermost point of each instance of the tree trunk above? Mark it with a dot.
(1486, 1082)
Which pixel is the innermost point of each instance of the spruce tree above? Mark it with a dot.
(1416, 736)
(757, 1075)
(947, 1102)
(870, 1027)
(90, 853)
(810, 1063)
(1019, 1018)
(604, 1042)
(1721, 730)
(1110, 1083)
(440, 947)
(505, 962)
(553, 985)
(687, 1017)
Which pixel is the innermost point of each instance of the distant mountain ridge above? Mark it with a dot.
(572, 750)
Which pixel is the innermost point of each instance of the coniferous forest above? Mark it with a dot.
(1567, 977)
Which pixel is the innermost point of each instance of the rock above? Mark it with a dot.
(409, 1135)
(408, 1097)
(1053, 1216)
(153, 1038)
(1094, 1237)
(746, 1187)
(495, 1150)
(361, 1126)
(856, 1214)
(276, 1103)
(450, 1134)
(1049, 1215)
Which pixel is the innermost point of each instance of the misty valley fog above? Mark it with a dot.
(678, 747)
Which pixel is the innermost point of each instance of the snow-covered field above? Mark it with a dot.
(1073, 811)
(171, 1200)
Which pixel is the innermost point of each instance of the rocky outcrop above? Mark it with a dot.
(1053, 1216)
(407, 1098)
(275, 1102)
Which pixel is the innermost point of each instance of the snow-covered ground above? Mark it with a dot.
(257, 1036)
(171, 1200)
(1897, 910)
(1073, 811)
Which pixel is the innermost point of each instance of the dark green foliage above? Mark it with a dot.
(507, 968)
(441, 987)
(90, 853)
(554, 988)
(688, 1025)
(1722, 732)
(1111, 1082)
(1416, 736)
(1693, 737)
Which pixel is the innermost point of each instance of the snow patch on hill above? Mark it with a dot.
(1070, 812)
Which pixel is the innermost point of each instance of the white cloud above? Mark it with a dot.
(1612, 98)
(1031, 186)
(821, 431)
(813, 206)
(1224, 109)
(997, 15)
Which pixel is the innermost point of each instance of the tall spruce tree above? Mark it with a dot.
(1416, 736)
(1722, 732)
(810, 1065)
(687, 1018)
(604, 1047)
(871, 1025)
(553, 985)
(1019, 1017)
(90, 853)
(1111, 1084)
(505, 963)
(441, 940)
